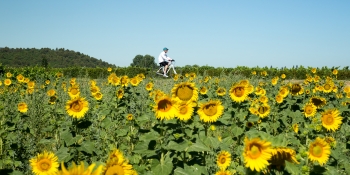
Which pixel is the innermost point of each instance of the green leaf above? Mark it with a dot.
(63, 154)
(237, 131)
(225, 119)
(180, 171)
(164, 167)
(106, 123)
(198, 147)
(87, 147)
(292, 168)
(212, 142)
(121, 132)
(68, 138)
(178, 146)
(152, 135)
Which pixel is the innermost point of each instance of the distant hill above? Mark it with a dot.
(55, 58)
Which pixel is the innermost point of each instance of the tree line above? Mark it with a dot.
(46, 57)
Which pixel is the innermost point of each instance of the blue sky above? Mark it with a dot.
(223, 33)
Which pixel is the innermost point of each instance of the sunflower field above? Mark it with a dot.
(188, 124)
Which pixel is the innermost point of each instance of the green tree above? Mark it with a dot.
(146, 61)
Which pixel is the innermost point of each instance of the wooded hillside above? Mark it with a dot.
(56, 58)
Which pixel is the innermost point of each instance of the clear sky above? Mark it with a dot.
(222, 33)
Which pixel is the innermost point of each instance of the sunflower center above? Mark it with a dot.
(115, 170)
(317, 151)
(239, 91)
(184, 92)
(222, 159)
(76, 106)
(255, 151)
(183, 110)
(44, 164)
(296, 88)
(210, 109)
(262, 109)
(164, 105)
(327, 86)
(328, 119)
(308, 109)
(316, 101)
(74, 91)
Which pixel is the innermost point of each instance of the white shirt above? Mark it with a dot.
(163, 57)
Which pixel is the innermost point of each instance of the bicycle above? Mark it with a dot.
(171, 65)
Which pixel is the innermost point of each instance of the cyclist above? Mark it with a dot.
(163, 60)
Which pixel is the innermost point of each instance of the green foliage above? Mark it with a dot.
(56, 58)
(146, 61)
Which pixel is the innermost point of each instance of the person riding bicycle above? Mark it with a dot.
(163, 60)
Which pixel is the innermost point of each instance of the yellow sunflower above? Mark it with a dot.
(20, 78)
(51, 92)
(335, 72)
(185, 110)
(280, 155)
(331, 141)
(221, 91)
(77, 107)
(114, 80)
(274, 81)
(223, 172)
(309, 110)
(94, 89)
(123, 168)
(74, 91)
(120, 93)
(165, 108)
(129, 117)
(30, 90)
(295, 127)
(253, 72)
(185, 91)
(263, 73)
(124, 81)
(206, 79)
(149, 86)
(134, 81)
(256, 153)
(98, 95)
(223, 160)
(319, 151)
(203, 90)
(22, 107)
(176, 77)
(44, 164)
(210, 111)
(318, 101)
(80, 169)
(73, 81)
(52, 100)
(296, 89)
(347, 89)
(263, 99)
(115, 157)
(328, 87)
(279, 98)
(263, 110)
(7, 82)
(283, 76)
(313, 70)
(331, 119)
(239, 93)
(109, 69)
(59, 74)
